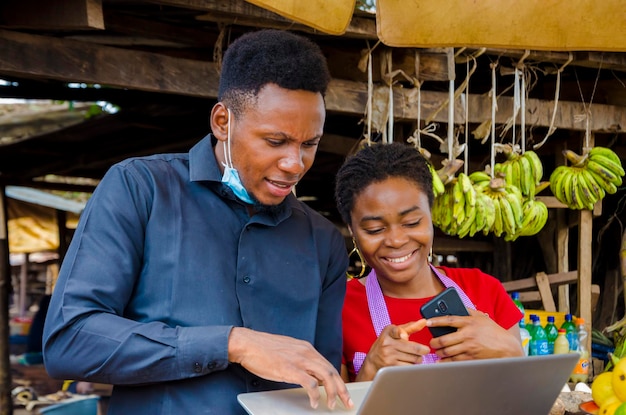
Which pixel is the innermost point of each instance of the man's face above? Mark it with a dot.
(273, 143)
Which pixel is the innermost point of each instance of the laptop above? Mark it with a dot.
(515, 386)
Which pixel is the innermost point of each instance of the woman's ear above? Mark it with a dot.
(219, 121)
(350, 230)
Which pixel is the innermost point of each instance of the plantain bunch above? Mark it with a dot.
(588, 179)
(508, 203)
(523, 171)
(463, 210)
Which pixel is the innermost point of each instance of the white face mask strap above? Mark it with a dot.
(229, 161)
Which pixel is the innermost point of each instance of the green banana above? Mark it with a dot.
(615, 168)
(604, 172)
(535, 162)
(604, 152)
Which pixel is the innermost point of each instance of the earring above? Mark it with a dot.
(430, 255)
(355, 250)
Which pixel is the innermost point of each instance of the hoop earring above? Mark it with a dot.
(361, 260)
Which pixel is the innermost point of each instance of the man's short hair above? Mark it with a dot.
(270, 56)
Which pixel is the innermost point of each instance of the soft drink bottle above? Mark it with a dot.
(530, 327)
(561, 344)
(581, 371)
(538, 340)
(572, 334)
(525, 335)
(552, 332)
(518, 303)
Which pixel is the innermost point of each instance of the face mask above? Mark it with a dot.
(231, 175)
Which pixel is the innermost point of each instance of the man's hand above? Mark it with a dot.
(393, 348)
(285, 359)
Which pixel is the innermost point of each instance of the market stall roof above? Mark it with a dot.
(32, 219)
(534, 24)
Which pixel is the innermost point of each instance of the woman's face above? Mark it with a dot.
(392, 226)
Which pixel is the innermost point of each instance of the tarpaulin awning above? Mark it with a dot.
(531, 24)
(32, 219)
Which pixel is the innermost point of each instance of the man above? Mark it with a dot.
(195, 277)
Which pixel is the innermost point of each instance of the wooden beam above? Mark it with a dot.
(24, 55)
(52, 15)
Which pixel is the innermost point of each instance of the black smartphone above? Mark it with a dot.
(446, 303)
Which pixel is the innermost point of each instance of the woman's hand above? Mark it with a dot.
(477, 337)
(393, 348)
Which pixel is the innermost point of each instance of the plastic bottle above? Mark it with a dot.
(561, 344)
(518, 303)
(525, 335)
(572, 335)
(539, 339)
(552, 332)
(530, 326)
(581, 371)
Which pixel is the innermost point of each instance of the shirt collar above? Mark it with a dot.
(203, 167)
(202, 162)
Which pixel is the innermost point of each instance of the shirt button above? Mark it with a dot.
(246, 279)
(197, 367)
(211, 365)
(255, 383)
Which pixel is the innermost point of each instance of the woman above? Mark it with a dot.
(384, 194)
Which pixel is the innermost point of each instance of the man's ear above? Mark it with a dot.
(219, 121)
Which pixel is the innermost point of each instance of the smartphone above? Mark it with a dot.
(446, 303)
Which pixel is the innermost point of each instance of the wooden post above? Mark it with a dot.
(6, 403)
(585, 244)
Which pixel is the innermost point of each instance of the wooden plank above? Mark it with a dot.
(543, 284)
(531, 282)
(41, 57)
(585, 242)
(36, 56)
(52, 15)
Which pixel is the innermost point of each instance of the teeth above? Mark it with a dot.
(279, 184)
(401, 259)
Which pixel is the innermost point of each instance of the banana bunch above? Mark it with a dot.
(535, 216)
(454, 211)
(523, 171)
(508, 204)
(590, 177)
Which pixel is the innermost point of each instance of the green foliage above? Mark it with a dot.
(366, 5)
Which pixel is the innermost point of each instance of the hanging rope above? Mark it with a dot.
(494, 107)
(557, 92)
(466, 109)
(587, 108)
